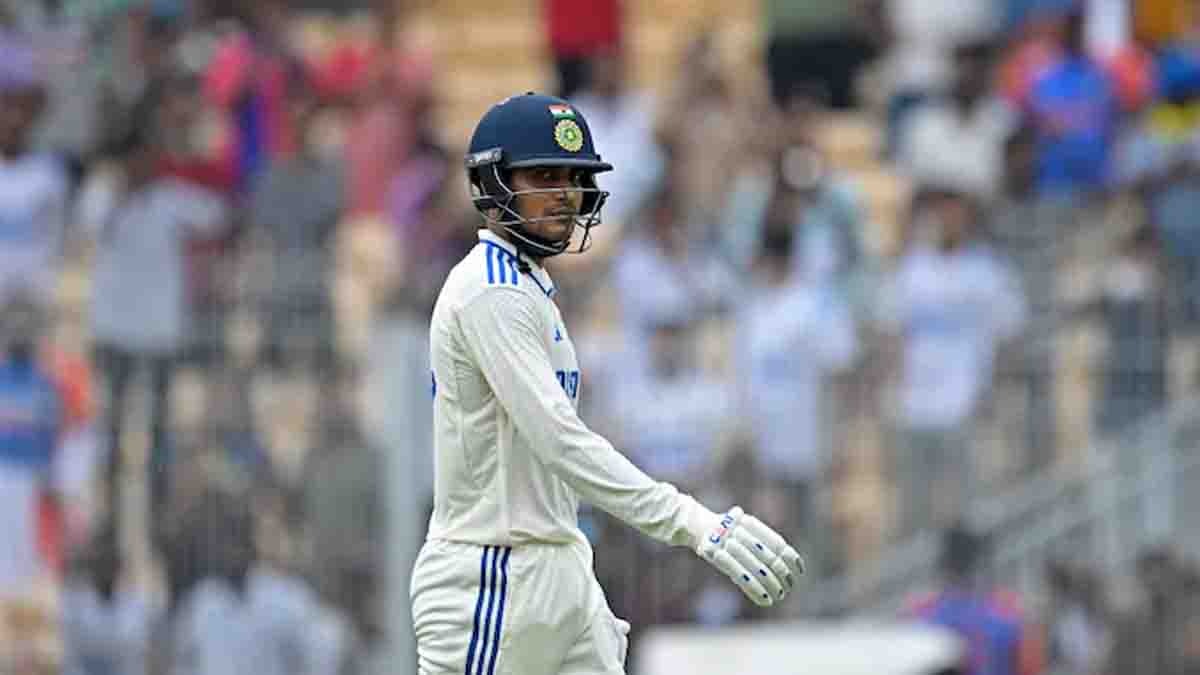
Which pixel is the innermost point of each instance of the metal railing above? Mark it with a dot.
(1131, 494)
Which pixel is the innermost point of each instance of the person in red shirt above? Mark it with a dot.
(579, 30)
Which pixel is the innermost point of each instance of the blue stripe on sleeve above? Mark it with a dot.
(491, 273)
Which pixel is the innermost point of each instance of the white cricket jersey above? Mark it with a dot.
(512, 458)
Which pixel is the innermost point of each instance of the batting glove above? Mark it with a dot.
(753, 555)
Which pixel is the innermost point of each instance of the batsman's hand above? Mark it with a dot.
(752, 555)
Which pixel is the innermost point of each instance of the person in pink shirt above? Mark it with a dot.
(248, 79)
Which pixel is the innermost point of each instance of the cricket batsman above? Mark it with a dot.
(504, 583)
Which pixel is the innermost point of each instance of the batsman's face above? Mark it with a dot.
(554, 210)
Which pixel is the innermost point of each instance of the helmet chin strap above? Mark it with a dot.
(537, 247)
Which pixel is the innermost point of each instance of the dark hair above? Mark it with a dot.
(776, 241)
(962, 550)
(129, 142)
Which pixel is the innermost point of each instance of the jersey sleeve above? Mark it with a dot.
(503, 331)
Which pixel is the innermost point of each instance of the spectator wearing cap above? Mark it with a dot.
(34, 187)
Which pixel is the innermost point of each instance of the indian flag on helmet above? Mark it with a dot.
(561, 111)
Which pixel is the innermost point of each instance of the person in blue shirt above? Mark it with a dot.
(31, 421)
(997, 637)
(1074, 108)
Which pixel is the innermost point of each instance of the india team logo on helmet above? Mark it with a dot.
(568, 136)
(528, 131)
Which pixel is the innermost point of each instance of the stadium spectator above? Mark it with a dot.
(248, 79)
(1157, 156)
(1077, 629)
(34, 187)
(422, 209)
(31, 426)
(1134, 309)
(139, 222)
(106, 624)
(342, 512)
(621, 120)
(691, 279)
(1073, 106)
(389, 121)
(1037, 236)
(790, 183)
(1153, 638)
(1000, 639)
(699, 128)
(961, 135)
(923, 35)
(673, 414)
(295, 207)
(792, 334)
(578, 32)
(815, 41)
(952, 301)
(242, 616)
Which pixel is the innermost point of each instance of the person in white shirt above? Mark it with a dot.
(793, 332)
(674, 413)
(34, 186)
(504, 582)
(140, 223)
(962, 135)
(954, 301)
(106, 626)
(622, 121)
(247, 617)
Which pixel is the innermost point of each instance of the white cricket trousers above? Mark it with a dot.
(525, 610)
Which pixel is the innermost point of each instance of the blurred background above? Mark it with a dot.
(917, 281)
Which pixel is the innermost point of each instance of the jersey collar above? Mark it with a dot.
(536, 272)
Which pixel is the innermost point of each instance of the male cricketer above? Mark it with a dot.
(503, 584)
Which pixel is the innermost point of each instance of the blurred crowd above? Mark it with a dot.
(220, 242)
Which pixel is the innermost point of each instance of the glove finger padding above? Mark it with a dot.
(741, 576)
(759, 530)
(753, 555)
(758, 567)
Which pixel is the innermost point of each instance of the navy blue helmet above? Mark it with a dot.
(528, 131)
